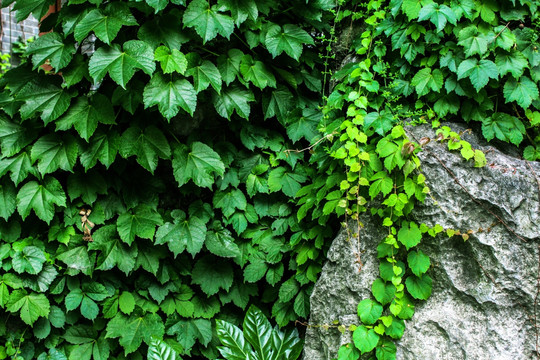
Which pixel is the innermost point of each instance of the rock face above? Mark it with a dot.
(484, 289)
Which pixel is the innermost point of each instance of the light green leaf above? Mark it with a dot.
(147, 145)
(41, 198)
(126, 302)
(198, 163)
(479, 72)
(121, 65)
(381, 122)
(369, 311)
(162, 350)
(290, 39)
(235, 347)
(231, 99)
(170, 94)
(171, 60)
(409, 234)
(365, 339)
(386, 350)
(53, 48)
(207, 21)
(229, 65)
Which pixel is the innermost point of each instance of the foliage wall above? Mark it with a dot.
(146, 188)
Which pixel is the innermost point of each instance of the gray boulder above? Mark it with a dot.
(484, 299)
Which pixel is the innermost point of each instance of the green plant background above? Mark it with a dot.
(215, 156)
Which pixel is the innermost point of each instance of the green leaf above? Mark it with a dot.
(229, 201)
(19, 166)
(409, 234)
(113, 252)
(381, 122)
(29, 260)
(49, 99)
(369, 311)
(31, 306)
(212, 274)
(126, 302)
(241, 10)
(258, 332)
(171, 60)
(438, 14)
(14, 137)
(198, 163)
(382, 291)
(220, 242)
(514, 63)
(187, 331)
(134, 330)
(479, 72)
(170, 94)
(396, 329)
(147, 145)
(103, 146)
(256, 73)
(473, 41)
(85, 115)
(235, 347)
(288, 182)
(41, 198)
(290, 39)
(161, 350)
(76, 256)
(506, 38)
(105, 23)
(207, 21)
(121, 65)
(183, 234)
(231, 99)
(229, 66)
(523, 91)
(54, 152)
(419, 287)
(418, 262)
(140, 222)
(205, 75)
(53, 48)
(38, 8)
(386, 350)
(365, 339)
(426, 80)
(503, 126)
(164, 30)
(8, 199)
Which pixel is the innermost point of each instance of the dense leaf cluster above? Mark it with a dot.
(145, 184)
(417, 62)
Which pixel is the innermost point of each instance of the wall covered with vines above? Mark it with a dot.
(176, 161)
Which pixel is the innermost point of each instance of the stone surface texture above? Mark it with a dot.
(484, 289)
